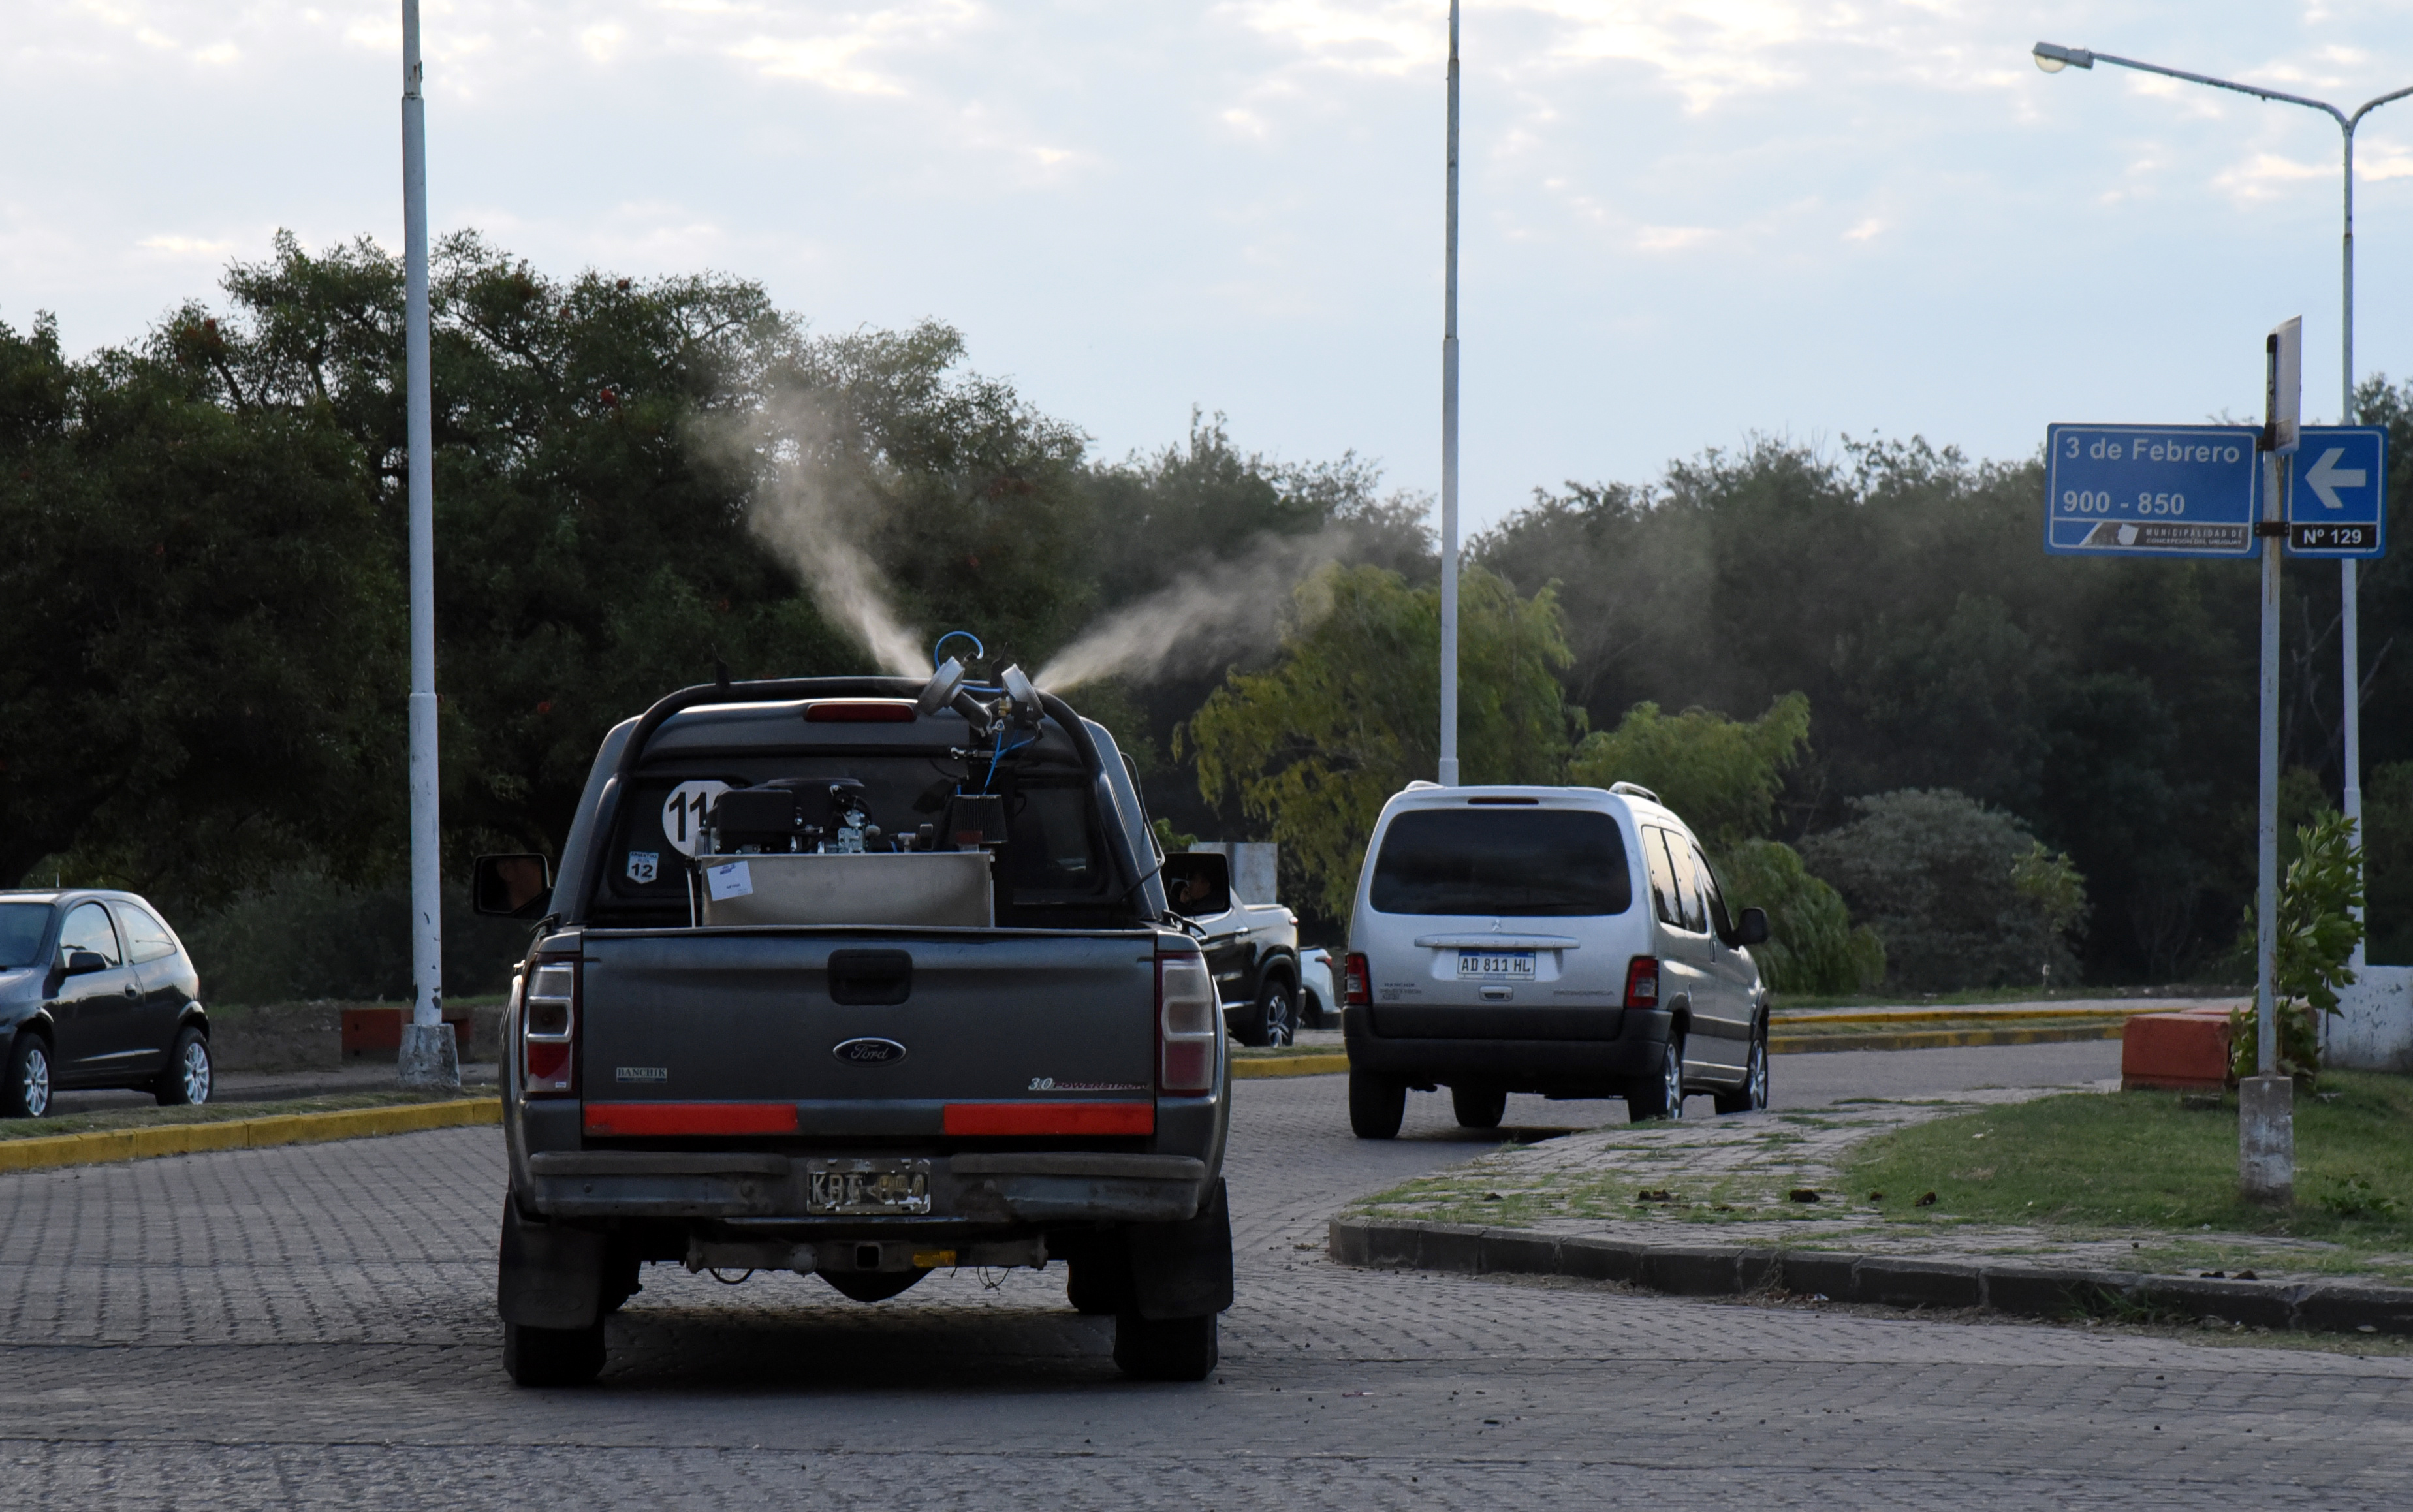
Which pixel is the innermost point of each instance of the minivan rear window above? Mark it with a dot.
(1548, 863)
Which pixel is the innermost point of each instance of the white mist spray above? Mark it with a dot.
(1228, 609)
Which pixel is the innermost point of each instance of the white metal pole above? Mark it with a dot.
(427, 1050)
(2266, 1139)
(1448, 774)
(2349, 638)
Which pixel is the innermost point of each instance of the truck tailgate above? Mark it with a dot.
(705, 1031)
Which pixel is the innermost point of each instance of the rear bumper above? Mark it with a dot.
(1630, 1046)
(968, 1191)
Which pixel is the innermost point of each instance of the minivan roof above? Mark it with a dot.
(1433, 795)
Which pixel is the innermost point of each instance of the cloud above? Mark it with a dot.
(187, 247)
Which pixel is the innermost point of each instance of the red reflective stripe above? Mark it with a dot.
(1051, 1118)
(690, 1118)
(861, 711)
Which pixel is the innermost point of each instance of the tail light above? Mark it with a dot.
(549, 1030)
(1188, 1024)
(1642, 982)
(1356, 983)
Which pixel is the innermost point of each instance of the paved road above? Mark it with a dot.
(172, 1333)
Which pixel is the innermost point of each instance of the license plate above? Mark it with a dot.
(867, 1188)
(1496, 965)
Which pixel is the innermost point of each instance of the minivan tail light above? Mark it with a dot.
(1642, 982)
(1188, 1024)
(1356, 983)
(549, 1030)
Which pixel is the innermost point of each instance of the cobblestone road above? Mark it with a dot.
(314, 1327)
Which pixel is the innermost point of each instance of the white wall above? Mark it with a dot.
(2373, 1029)
(1253, 867)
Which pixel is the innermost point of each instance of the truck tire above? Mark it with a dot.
(552, 1356)
(1098, 1284)
(1478, 1107)
(1376, 1106)
(1165, 1349)
(26, 1093)
(1274, 1021)
(1659, 1096)
(185, 1081)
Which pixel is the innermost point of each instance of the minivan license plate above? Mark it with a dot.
(1496, 965)
(867, 1188)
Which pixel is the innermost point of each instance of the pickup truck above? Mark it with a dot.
(1251, 948)
(861, 978)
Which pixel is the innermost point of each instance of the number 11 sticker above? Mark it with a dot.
(684, 812)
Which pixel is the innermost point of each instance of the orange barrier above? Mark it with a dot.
(2185, 1051)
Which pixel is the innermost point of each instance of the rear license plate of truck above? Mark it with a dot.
(1496, 965)
(867, 1188)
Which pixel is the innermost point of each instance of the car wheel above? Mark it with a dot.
(552, 1356)
(1478, 1107)
(1752, 1096)
(186, 1079)
(1277, 1016)
(1376, 1104)
(28, 1094)
(1165, 1349)
(1661, 1096)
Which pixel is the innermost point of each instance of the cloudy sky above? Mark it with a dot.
(1685, 222)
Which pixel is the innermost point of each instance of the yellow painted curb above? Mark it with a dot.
(43, 1154)
(1941, 1039)
(1805, 1017)
(1289, 1065)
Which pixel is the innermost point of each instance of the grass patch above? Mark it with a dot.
(147, 1118)
(2135, 1162)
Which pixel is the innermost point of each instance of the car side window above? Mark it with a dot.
(1720, 922)
(1688, 884)
(88, 928)
(146, 938)
(1663, 877)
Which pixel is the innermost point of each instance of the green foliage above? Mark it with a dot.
(1813, 946)
(2317, 936)
(1170, 840)
(1720, 775)
(1960, 893)
(1349, 713)
(2387, 863)
(305, 935)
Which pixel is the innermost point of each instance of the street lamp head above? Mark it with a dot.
(2052, 57)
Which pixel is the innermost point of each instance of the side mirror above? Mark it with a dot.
(1198, 884)
(82, 961)
(511, 886)
(1750, 929)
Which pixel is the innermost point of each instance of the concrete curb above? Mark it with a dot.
(1885, 1281)
(1937, 1039)
(47, 1152)
(1288, 1065)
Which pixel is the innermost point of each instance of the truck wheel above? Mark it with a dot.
(26, 1093)
(1165, 1349)
(1376, 1106)
(1478, 1107)
(1752, 1096)
(552, 1356)
(185, 1082)
(1276, 1021)
(1099, 1285)
(1661, 1096)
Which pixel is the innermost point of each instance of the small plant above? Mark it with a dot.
(2352, 1195)
(2318, 933)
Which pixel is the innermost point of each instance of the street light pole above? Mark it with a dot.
(428, 1056)
(1448, 773)
(2052, 58)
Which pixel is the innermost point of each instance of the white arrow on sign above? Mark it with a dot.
(2326, 477)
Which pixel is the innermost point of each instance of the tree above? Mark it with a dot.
(1813, 946)
(1349, 713)
(1722, 777)
(2316, 939)
(1960, 893)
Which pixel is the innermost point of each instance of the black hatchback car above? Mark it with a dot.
(97, 991)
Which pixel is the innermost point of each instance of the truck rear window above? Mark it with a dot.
(1532, 863)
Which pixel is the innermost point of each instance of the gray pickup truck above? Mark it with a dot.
(862, 978)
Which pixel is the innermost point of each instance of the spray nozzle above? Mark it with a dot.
(946, 690)
(1020, 706)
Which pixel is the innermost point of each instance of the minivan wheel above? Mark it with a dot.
(186, 1080)
(1478, 1107)
(1662, 1096)
(1752, 1096)
(27, 1092)
(1376, 1104)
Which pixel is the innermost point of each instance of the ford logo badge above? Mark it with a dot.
(869, 1052)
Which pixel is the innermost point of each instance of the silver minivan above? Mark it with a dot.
(1569, 942)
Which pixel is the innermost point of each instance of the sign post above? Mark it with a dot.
(2266, 1126)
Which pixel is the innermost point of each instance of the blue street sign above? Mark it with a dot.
(2337, 493)
(2150, 490)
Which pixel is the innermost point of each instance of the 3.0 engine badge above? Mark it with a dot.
(869, 1052)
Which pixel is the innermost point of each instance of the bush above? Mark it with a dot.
(303, 937)
(1720, 775)
(1961, 894)
(2317, 936)
(1813, 946)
